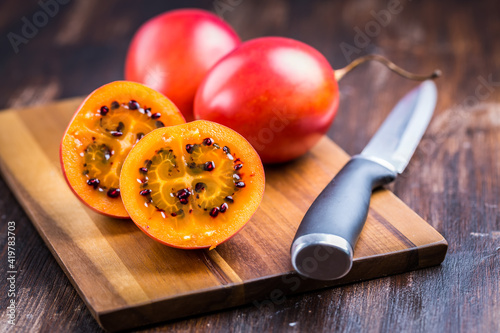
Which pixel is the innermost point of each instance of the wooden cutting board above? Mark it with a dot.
(128, 280)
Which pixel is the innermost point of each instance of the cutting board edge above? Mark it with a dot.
(26, 205)
(109, 319)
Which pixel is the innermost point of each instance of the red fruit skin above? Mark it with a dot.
(173, 52)
(279, 93)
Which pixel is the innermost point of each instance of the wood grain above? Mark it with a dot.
(128, 280)
(453, 180)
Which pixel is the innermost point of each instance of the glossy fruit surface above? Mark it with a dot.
(173, 52)
(193, 185)
(109, 122)
(279, 93)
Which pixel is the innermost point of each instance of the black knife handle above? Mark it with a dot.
(323, 245)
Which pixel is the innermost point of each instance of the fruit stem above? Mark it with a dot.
(339, 73)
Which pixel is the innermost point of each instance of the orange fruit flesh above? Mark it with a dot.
(103, 131)
(192, 185)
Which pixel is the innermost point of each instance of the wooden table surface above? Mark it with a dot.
(453, 181)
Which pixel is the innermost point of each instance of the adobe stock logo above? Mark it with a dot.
(40, 19)
(372, 29)
(223, 6)
(267, 134)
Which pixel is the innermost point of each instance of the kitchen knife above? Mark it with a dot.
(323, 245)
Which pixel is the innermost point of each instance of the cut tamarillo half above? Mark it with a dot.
(107, 124)
(193, 185)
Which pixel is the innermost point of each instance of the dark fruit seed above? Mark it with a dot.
(148, 111)
(208, 142)
(159, 124)
(184, 193)
(104, 110)
(189, 148)
(107, 152)
(140, 136)
(240, 184)
(156, 115)
(133, 105)
(223, 207)
(179, 212)
(209, 166)
(93, 182)
(115, 105)
(229, 199)
(199, 187)
(114, 192)
(214, 212)
(238, 166)
(226, 150)
(120, 127)
(143, 170)
(116, 133)
(145, 192)
(183, 196)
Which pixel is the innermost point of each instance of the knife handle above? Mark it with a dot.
(323, 245)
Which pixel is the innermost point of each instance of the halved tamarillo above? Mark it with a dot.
(192, 185)
(107, 124)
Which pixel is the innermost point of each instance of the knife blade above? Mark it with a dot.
(323, 245)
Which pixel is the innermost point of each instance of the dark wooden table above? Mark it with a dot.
(453, 180)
